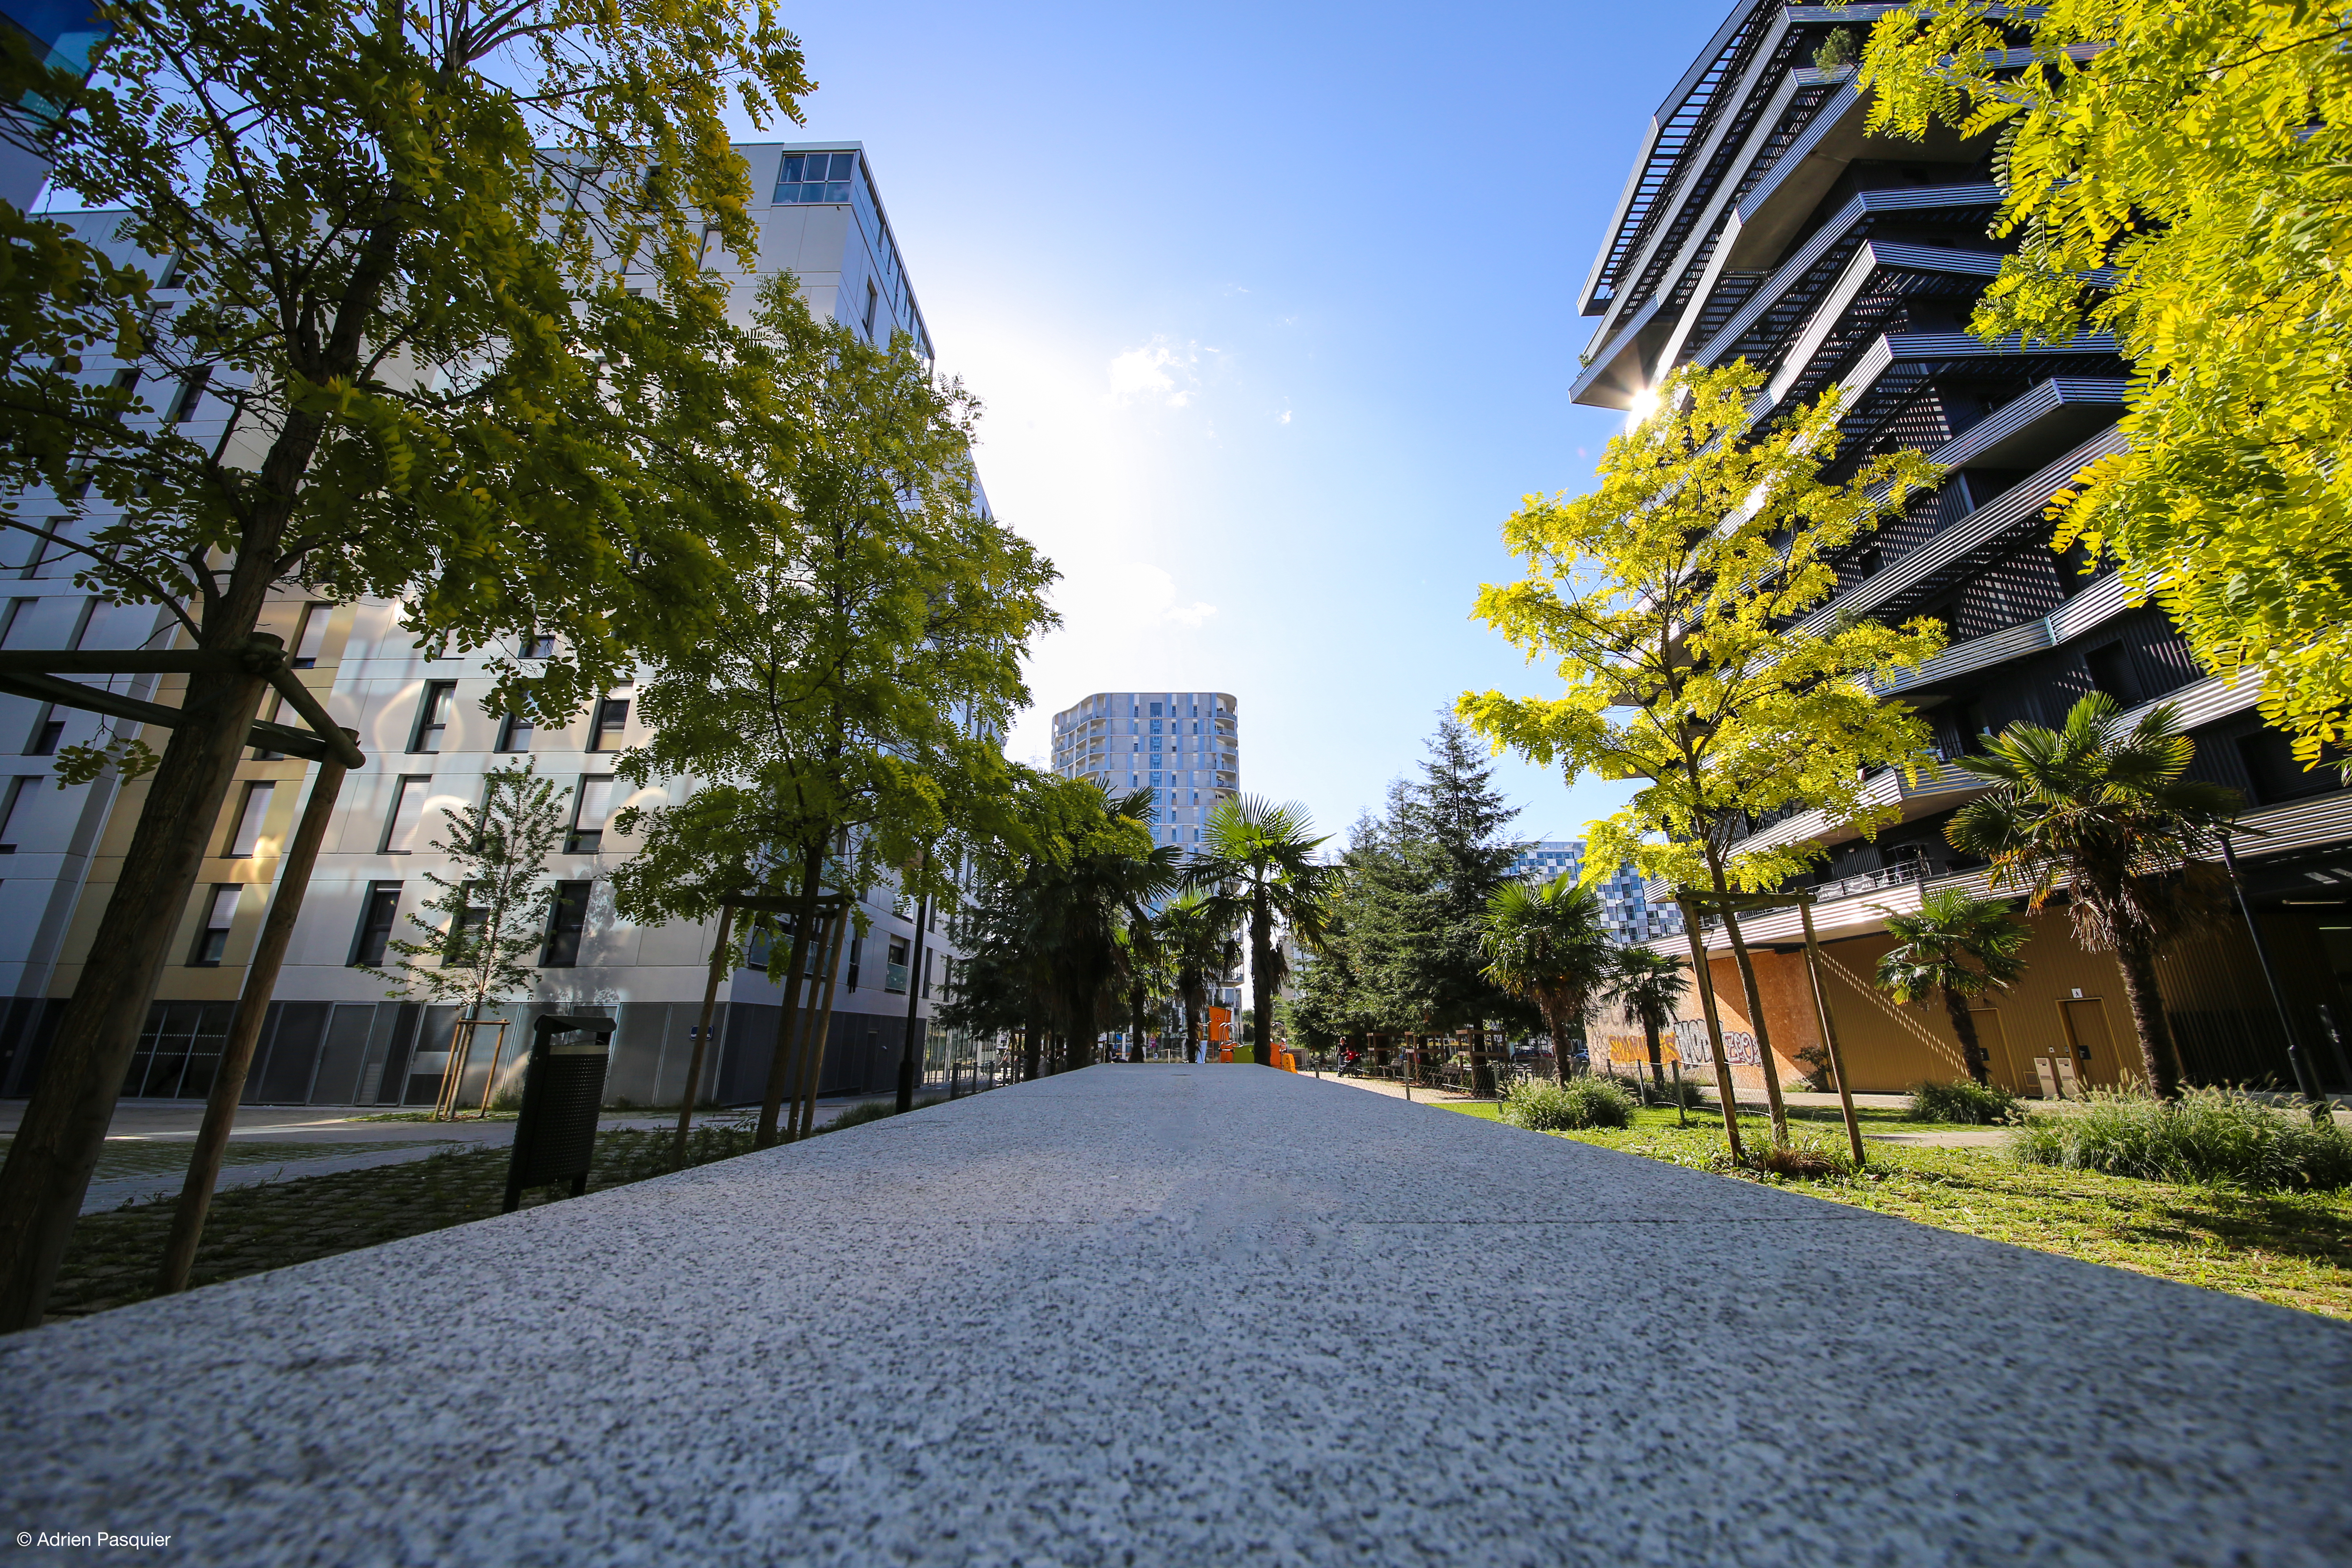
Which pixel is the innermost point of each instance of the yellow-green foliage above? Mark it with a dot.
(2202, 149)
(1666, 599)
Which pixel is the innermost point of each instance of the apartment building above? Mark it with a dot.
(1762, 221)
(1184, 746)
(333, 1036)
(1627, 914)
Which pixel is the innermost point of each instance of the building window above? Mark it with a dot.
(564, 926)
(311, 635)
(470, 919)
(192, 394)
(856, 947)
(588, 810)
(407, 820)
(47, 731)
(806, 177)
(873, 298)
(611, 718)
(538, 644)
(433, 716)
(374, 935)
(212, 936)
(515, 731)
(246, 838)
(2110, 672)
(12, 806)
(894, 973)
(1155, 713)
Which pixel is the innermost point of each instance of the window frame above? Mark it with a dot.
(392, 818)
(560, 931)
(436, 692)
(253, 812)
(377, 890)
(204, 952)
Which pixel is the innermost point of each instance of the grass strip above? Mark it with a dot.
(2293, 1249)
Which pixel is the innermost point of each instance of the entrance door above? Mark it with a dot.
(2094, 1042)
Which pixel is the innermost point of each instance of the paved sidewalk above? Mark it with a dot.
(306, 1132)
(1181, 1315)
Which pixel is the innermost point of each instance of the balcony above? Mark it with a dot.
(894, 978)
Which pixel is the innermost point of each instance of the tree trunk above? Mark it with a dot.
(1080, 1048)
(1657, 1060)
(1556, 1025)
(1032, 1042)
(1192, 1029)
(1972, 1052)
(64, 1128)
(1262, 974)
(780, 1055)
(2149, 1020)
(1756, 1022)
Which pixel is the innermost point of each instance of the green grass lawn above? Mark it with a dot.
(2291, 1249)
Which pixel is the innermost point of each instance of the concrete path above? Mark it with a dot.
(1160, 1314)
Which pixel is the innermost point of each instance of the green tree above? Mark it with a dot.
(2195, 157)
(1100, 892)
(1201, 952)
(1672, 603)
(2111, 814)
(392, 263)
(1256, 861)
(1543, 940)
(1958, 948)
(1649, 991)
(842, 709)
(480, 925)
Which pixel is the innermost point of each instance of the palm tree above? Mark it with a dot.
(1257, 861)
(1958, 947)
(1200, 949)
(1543, 942)
(1649, 989)
(2112, 814)
(1087, 904)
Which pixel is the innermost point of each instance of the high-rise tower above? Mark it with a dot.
(1182, 745)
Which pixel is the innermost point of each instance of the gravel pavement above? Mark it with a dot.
(1167, 1314)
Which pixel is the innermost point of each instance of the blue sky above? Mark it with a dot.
(1273, 309)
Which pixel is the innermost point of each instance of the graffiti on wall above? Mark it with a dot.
(1738, 1045)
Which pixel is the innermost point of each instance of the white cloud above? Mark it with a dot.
(1148, 597)
(1155, 371)
(1284, 417)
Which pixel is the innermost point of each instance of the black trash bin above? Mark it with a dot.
(555, 1135)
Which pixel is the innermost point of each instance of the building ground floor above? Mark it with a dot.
(2067, 1021)
(394, 1053)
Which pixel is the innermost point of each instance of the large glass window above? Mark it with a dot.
(814, 177)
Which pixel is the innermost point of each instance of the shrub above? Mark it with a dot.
(2209, 1135)
(1982, 1104)
(1804, 1160)
(1544, 1106)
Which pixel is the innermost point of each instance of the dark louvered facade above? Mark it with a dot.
(1763, 222)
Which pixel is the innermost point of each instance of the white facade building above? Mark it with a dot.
(333, 1036)
(1184, 746)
